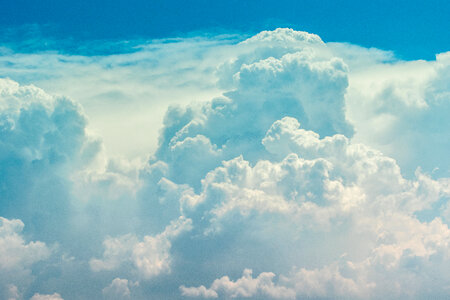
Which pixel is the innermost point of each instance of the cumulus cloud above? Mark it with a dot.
(143, 74)
(304, 170)
(403, 113)
(17, 257)
(244, 287)
(323, 179)
(261, 177)
(43, 141)
(54, 296)
(118, 289)
(149, 257)
(306, 84)
(16, 253)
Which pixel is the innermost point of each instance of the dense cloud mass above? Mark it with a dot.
(321, 172)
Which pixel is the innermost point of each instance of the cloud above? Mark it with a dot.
(11, 292)
(149, 257)
(244, 287)
(54, 296)
(17, 257)
(303, 170)
(15, 252)
(200, 291)
(43, 141)
(338, 191)
(317, 180)
(250, 177)
(142, 74)
(307, 85)
(400, 114)
(118, 289)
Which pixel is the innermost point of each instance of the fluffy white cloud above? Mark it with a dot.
(335, 206)
(401, 110)
(244, 287)
(15, 252)
(54, 296)
(260, 177)
(42, 142)
(150, 257)
(317, 180)
(118, 289)
(41, 128)
(307, 84)
(339, 188)
(150, 75)
(200, 291)
(17, 257)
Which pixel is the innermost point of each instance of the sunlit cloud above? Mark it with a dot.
(277, 166)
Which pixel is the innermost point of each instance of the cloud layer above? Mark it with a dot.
(320, 172)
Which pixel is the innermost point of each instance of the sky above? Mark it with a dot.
(224, 150)
(413, 29)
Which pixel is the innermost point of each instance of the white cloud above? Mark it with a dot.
(307, 84)
(43, 142)
(200, 291)
(149, 257)
(401, 110)
(15, 252)
(136, 87)
(17, 257)
(117, 250)
(118, 289)
(331, 213)
(339, 190)
(283, 36)
(244, 287)
(54, 296)
(317, 180)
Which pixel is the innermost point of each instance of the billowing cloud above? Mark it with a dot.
(320, 172)
(43, 141)
(17, 257)
(244, 287)
(337, 190)
(403, 113)
(149, 257)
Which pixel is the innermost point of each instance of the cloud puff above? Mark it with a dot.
(244, 287)
(54, 296)
(118, 289)
(149, 257)
(15, 252)
(17, 256)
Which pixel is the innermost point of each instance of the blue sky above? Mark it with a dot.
(413, 29)
(224, 150)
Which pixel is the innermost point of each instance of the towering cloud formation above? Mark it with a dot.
(293, 184)
(42, 142)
